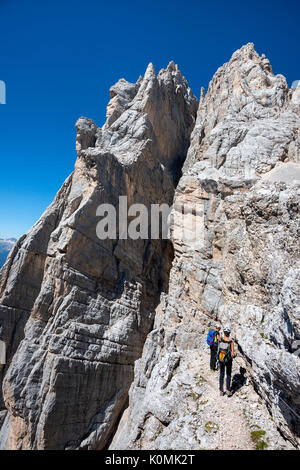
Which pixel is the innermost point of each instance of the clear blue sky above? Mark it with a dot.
(59, 59)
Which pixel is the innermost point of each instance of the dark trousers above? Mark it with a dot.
(213, 357)
(228, 368)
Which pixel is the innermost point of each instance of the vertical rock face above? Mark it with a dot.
(74, 309)
(243, 169)
(5, 248)
(76, 312)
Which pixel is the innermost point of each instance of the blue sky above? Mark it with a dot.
(59, 58)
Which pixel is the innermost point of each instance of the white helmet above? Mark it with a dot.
(218, 326)
(226, 329)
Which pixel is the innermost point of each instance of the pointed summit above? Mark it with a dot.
(150, 71)
(172, 67)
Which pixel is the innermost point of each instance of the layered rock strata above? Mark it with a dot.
(77, 313)
(74, 309)
(243, 169)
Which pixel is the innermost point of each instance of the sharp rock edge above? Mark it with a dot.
(77, 314)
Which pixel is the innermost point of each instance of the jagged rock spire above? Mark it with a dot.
(242, 176)
(89, 303)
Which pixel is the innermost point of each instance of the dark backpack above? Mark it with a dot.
(212, 338)
(224, 352)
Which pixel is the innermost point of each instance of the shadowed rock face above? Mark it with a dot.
(242, 167)
(89, 305)
(75, 310)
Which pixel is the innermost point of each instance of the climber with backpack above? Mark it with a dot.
(225, 356)
(213, 339)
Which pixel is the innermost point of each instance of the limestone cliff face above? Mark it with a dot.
(243, 168)
(75, 310)
(77, 313)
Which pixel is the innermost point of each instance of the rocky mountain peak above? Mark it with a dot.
(106, 337)
(70, 287)
(242, 99)
(242, 170)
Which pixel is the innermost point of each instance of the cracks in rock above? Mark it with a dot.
(111, 424)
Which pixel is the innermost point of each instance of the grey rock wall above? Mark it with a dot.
(75, 310)
(106, 340)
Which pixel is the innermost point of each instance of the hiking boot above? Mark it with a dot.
(221, 393)
(229, 393)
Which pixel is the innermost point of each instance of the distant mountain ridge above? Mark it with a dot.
(5, 247)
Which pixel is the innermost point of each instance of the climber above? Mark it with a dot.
(225, 356)
(213, 340)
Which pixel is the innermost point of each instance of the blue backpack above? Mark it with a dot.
(212, 338)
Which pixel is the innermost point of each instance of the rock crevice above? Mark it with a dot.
(242, 168)
(76, 308)
(106, 338)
